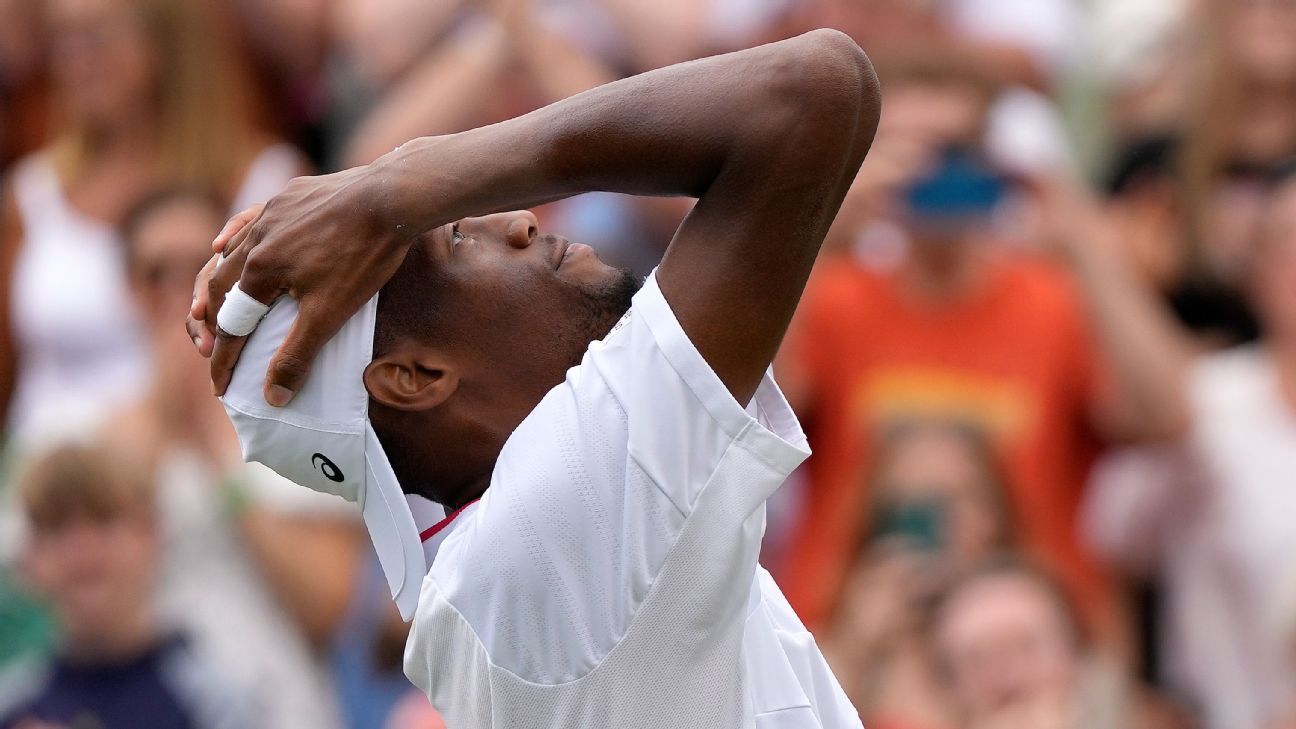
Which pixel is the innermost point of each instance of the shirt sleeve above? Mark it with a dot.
(681, 418)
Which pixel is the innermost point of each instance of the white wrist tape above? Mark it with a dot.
(240, 313)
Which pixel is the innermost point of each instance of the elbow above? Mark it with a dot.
(831, 62)
(828, 74)
(825, 93)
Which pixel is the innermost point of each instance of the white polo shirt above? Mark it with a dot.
(608, 576)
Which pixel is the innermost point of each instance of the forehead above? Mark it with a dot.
(80, 10)
(186, 224)
(998, 605)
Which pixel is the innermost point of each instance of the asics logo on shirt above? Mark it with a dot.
(327, 467)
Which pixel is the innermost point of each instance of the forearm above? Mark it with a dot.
(289, 552)
(416, 105)
(557, 68)
(673, 131)
(1147, 356)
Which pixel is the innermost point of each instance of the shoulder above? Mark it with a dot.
(27, 689)
(32, 184)
(275, 155)
(270, 167)
(1230, 378)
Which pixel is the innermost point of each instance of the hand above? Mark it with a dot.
(325, 242)
(878, 606)
(204, 336)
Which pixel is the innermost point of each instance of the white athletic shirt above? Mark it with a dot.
(608, 576)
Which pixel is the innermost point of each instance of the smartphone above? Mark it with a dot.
(920, 524)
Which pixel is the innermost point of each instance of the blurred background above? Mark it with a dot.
(1047, 360)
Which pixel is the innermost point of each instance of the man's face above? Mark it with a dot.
(483, 318)
(97, 574)
(1005, 641)
(520, 299)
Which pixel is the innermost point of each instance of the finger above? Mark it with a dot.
(234, 226)
(259, 283)
(224, 357)
(291, 364)
(230, 269)
(202, 338)
(198, 307)
(194, 324)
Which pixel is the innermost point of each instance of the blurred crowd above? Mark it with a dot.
(1047, 360)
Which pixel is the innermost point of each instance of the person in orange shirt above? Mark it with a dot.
(927, 314)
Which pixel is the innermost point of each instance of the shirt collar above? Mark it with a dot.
(435, 535)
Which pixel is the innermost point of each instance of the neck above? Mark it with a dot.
(469, 494)
(447, 460)
(125, 638)
(131, 132)
(942, 271)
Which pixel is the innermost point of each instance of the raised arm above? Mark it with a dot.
(767, 138)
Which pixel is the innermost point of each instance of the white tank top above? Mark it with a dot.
(80, 342)
(82, 350)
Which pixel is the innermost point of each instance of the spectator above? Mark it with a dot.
(1025, 47)
(939, 505)
(1202, 113)
(24, 90)
(93, 551)
(505, 47)
(1240, 128)
(1211, 514)
(148, 95)
(1015, 656)
(1143, 55)
(951, 324)
(1145, 209)
(243, 548)
(368, 650)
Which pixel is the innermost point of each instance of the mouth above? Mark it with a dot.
(562, 249)
(571, 251)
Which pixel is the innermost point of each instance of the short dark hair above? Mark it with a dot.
(409, 303)
(409, 307)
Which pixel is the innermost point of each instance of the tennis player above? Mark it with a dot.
(603, 446)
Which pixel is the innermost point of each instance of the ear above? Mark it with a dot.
(411, 378)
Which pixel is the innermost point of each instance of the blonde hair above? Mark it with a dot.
(75, 482)
(206, 134)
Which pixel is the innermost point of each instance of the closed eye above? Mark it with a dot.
(455, 236)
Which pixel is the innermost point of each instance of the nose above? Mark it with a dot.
(517, 228)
